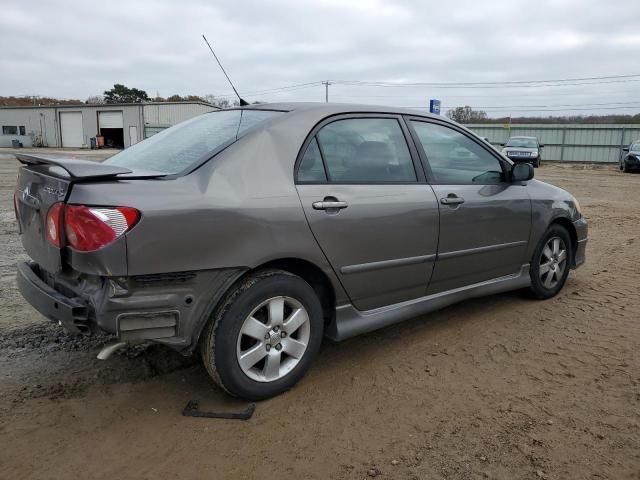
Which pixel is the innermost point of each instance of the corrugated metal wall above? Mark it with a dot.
(570, 142)
(40, 126)
(43, 129)
(157, 117)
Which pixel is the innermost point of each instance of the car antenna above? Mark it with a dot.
(242, 101)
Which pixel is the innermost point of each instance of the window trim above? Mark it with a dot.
(324, 165)
(413, 152)
(504, 164)
(9, 126)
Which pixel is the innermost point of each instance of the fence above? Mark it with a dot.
(570, 142)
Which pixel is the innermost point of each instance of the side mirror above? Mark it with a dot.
(501, 144)
(540, 146)
(625, 149)
(521, 172)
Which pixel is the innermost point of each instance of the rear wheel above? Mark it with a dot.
(551, 263)
(263, 337)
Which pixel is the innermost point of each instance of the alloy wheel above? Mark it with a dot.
(553, 262)
(273, 339)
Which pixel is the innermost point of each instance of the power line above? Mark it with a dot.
(299, 86)
(549, 109)
(477, 84)
(502, 96)
(470, 85)
(630, 104)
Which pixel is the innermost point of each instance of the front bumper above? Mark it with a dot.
(632, 163)
(167, 308)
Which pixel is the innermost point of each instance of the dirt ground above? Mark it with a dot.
(502, 387)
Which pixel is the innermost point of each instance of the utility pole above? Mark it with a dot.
(326, 84)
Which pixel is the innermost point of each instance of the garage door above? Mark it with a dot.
(71, 129)
(110, 120)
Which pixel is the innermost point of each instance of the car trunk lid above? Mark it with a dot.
(43, 181)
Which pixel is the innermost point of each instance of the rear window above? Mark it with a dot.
(184, 145)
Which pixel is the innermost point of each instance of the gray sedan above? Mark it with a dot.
(251, 233)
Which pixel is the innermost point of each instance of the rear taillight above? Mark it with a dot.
(53, 224)
(89, 228)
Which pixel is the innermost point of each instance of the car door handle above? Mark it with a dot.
(453, 200)
(329, 205)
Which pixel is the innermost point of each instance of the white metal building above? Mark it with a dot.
(121, 125)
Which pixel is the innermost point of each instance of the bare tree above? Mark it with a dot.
(95, 100)
(466, 114)
(217, 101)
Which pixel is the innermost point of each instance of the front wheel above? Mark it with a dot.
(551, 263)
(264, 336)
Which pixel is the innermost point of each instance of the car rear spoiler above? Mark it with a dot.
(73, 168)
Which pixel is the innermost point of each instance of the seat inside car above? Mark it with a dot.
(371, 161)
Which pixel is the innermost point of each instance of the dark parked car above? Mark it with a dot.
(523, 149)
(631, 159)
(251, 233)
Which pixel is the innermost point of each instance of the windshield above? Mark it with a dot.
(189, 143)
(522, 142)
(635, 147)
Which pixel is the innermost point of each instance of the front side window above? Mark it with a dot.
(456, 159)
(9, 130)
(366, 150)
(184, 145)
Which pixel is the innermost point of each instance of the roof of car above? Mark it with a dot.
(340, 108)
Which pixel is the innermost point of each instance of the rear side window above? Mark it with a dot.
(366, 150)
(311, 168)
(456, 159)
(185, 145)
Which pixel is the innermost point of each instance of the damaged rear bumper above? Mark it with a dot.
(167, 308)
(70, 312)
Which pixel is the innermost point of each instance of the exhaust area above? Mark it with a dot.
(109, 348)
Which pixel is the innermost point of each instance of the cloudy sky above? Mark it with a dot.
(75, 49)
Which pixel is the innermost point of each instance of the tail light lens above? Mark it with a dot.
(53, 224)
(90, 228)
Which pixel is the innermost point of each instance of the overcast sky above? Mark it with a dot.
(76, 48)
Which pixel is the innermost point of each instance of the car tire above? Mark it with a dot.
(255, 368)
(549, 267)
